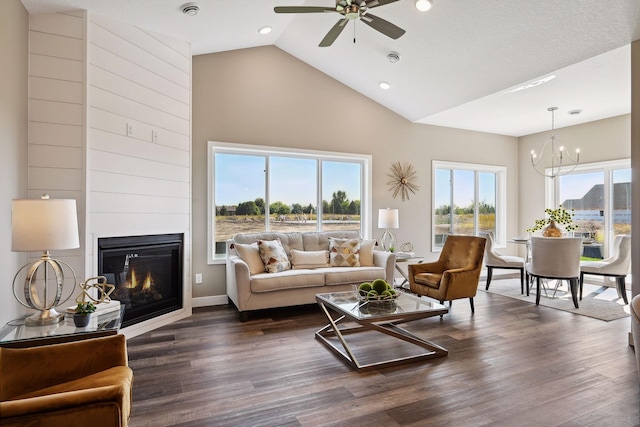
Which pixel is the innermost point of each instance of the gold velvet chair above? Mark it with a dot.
(78, 383)
(456, 273)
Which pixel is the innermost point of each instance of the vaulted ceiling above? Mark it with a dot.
(460, 63)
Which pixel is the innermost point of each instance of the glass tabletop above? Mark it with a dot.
(404, 306)
(15, 331)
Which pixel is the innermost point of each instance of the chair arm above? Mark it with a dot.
(62, 401)
(26, 369)
(426, 267)
(460, 282)
(239, 282)
(387, 260)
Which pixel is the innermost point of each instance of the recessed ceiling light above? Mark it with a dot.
(575, 111)
(532, 84)
(190, 9)
(384, 85)
(265, 30)
(423, 5)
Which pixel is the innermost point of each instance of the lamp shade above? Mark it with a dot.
(43, 225)
(388, 218)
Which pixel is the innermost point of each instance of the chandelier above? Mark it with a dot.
(562, 162)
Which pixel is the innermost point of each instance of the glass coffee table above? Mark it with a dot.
(382, 317)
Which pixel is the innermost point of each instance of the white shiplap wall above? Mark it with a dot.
(56, 148)
(111, 75)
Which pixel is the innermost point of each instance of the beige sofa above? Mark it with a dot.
(297, 286)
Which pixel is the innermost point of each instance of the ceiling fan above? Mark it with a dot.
(350, 11)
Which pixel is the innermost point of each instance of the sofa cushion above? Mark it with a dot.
(251, 255)
(344, 252)
(309, 259)
(289, 279)
(289, 241)
(354, 275)
(273, 255)
(319, 240)
(366, 252)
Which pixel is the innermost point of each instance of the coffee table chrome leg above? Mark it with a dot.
(389, 328)
(332, 330)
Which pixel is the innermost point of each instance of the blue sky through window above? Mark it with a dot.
(241, 178)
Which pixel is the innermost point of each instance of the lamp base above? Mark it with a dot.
(44, 317)
(388, 241)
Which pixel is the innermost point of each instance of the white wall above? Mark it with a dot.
(14, 27)
(90, 79)
(264, 96)
(138, 184)
(56, 118)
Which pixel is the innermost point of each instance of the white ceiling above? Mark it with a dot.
(457, 60)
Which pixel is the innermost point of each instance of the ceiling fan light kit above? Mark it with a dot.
(351, 10)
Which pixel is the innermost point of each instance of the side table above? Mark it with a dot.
(406, 257)
(16, 335)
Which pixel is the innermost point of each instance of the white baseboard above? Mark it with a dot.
(211, 300)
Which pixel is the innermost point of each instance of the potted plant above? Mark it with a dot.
(548, 224)
(83, 314)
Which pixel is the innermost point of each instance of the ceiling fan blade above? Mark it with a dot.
(333, 33)
(302, 9)
(376, 3)
(385, 27)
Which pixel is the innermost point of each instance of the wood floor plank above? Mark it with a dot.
(510, 363)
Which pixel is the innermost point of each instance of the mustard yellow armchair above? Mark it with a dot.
(456, 273)
(78, 383)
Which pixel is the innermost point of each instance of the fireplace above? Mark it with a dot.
(147, 272)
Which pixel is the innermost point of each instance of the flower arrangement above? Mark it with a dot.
(558, 216)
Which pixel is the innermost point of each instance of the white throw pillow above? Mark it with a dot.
(309, 259)
(250, 255)
(366, 252)
(273, 255)
(344, 252)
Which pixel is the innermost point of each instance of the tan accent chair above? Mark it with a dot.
(493, 259)
(617, 265)
(77, 383)
(456, 273)
(635, 328)
(556, 258)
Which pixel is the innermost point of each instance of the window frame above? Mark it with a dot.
(552, 189)
(213, 147)
(501, 197)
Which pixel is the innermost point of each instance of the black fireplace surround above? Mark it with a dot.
(147, 272)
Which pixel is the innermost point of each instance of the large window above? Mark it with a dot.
(253, 189)
(468, 199)
(600, 196)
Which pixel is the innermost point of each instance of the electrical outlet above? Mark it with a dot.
(154, 136)
(129, 129)
(198, 278)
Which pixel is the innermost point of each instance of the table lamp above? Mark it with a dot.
(388, 218)
(44, 225)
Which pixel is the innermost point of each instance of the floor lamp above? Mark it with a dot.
(44, 225)
(388, 218)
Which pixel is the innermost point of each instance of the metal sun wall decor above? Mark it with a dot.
(403, 178)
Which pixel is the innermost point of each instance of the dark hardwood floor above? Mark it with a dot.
(510, 364)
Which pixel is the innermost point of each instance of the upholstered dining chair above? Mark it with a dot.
(493, 259)
(454, 275)
(617, 265)
(556, 258)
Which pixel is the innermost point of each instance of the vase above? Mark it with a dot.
(552, 230)
(81, 320)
